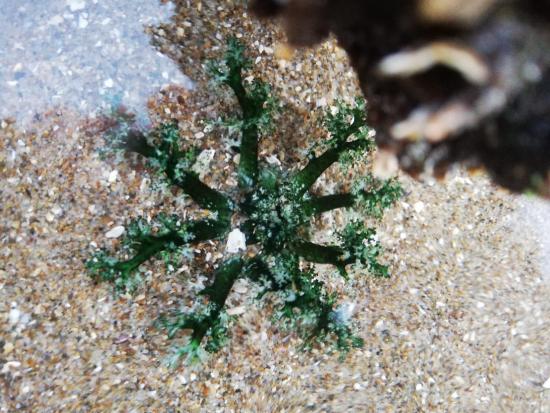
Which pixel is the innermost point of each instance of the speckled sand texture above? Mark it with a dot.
(463, 325)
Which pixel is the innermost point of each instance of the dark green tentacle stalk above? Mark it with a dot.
(254, 103)
(217, 293)
(329, 202)
(315, 168)
(168, 159)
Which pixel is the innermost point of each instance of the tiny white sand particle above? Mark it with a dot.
(113, 176)
(8, 348)
(56, 210)
(109, 83)
(76, 5)
(546, 384)
(14, 316)
(82, 22)
(418, 206)
(115, 232)
(55, 20)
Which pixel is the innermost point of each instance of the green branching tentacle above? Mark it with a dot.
(315, 168)
(346, 121)
(321, 254)
(205, 196)
(256, 105)
(175, 164)
(211, 321)
(312, 311)
(217, 293)
(363, 247)
(146, 246)
(248, 164)
(369, 194)
(374, 196)
(224, 277)
(275, 215)
(327, 203)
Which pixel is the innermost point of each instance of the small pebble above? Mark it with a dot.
(14, 316)
(418, 206)
(115, 232)
(236, 241)
(76, 5)
(8, 348)
(113, 176)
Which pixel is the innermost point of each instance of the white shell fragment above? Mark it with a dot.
(236, 241)
(115, 232)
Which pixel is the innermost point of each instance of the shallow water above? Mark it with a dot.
(82, 54)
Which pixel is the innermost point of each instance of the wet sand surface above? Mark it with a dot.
(462, 325)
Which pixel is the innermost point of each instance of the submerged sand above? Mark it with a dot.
(463, 324)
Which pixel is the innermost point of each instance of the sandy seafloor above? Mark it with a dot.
(463, 324)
